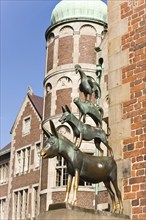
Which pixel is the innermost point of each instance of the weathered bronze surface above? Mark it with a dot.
(92, 169)
(88, 85)
(87, 108)
(84, 131)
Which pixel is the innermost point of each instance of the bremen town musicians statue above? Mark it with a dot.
(93, 169)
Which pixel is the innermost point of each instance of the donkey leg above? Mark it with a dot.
(118, 193)
(112, 195)
(75, 189)
(68, 188)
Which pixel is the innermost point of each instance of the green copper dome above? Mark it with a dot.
(79, 9)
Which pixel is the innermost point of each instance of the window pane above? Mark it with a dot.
(61, 172)
(26, 125)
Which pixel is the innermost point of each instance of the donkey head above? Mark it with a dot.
(51, 148)
(66, 114)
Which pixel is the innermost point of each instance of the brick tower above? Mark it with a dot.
(76, 30)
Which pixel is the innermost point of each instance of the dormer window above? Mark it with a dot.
(26, 126)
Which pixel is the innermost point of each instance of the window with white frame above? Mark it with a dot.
(26, 126)
(3, 208)
(37, 155)
(4, 173)
(22, 161)
(20, 204)
(61, 172)
(35, 200)
(62, 175)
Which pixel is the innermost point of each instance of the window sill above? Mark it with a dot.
(81, 188)
(4, 183)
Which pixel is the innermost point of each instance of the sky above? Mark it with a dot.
(22, 55)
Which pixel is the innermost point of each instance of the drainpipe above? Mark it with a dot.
(99, 75)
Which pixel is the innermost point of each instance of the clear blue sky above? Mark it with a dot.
(23, 25)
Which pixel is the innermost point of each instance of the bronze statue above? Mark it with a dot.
(92, 169)
(84, 131)
(87, 108)
(88, 85)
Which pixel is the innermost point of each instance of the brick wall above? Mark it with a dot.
(26, 180)
(58, 196)
(19, 141)
(63, 98)
(3, 190)
(44, 174)
(43, 199)
(135, 108)
(84, 199)
(35, 131)
(65, 51)
(50, 56)
(48, 105)
(86, 49)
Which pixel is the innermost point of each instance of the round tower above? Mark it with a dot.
(76, 30)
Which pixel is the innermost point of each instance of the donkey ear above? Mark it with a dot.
(45, 131)
(53, 129)
(63, 109)
(67, 109)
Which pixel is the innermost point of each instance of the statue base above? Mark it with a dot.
(63, 211)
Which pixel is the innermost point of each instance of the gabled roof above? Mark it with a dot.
(37, 102)
(5, 149)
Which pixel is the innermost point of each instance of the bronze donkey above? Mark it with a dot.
(92, 169)
(84, 131)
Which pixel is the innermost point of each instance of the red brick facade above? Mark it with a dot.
(48, 105)
(50, 55)
(135, 108)
(59, 196)
(34, 135)
(86, 49)
(27, 178)
(63, 98)
(65, 55)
